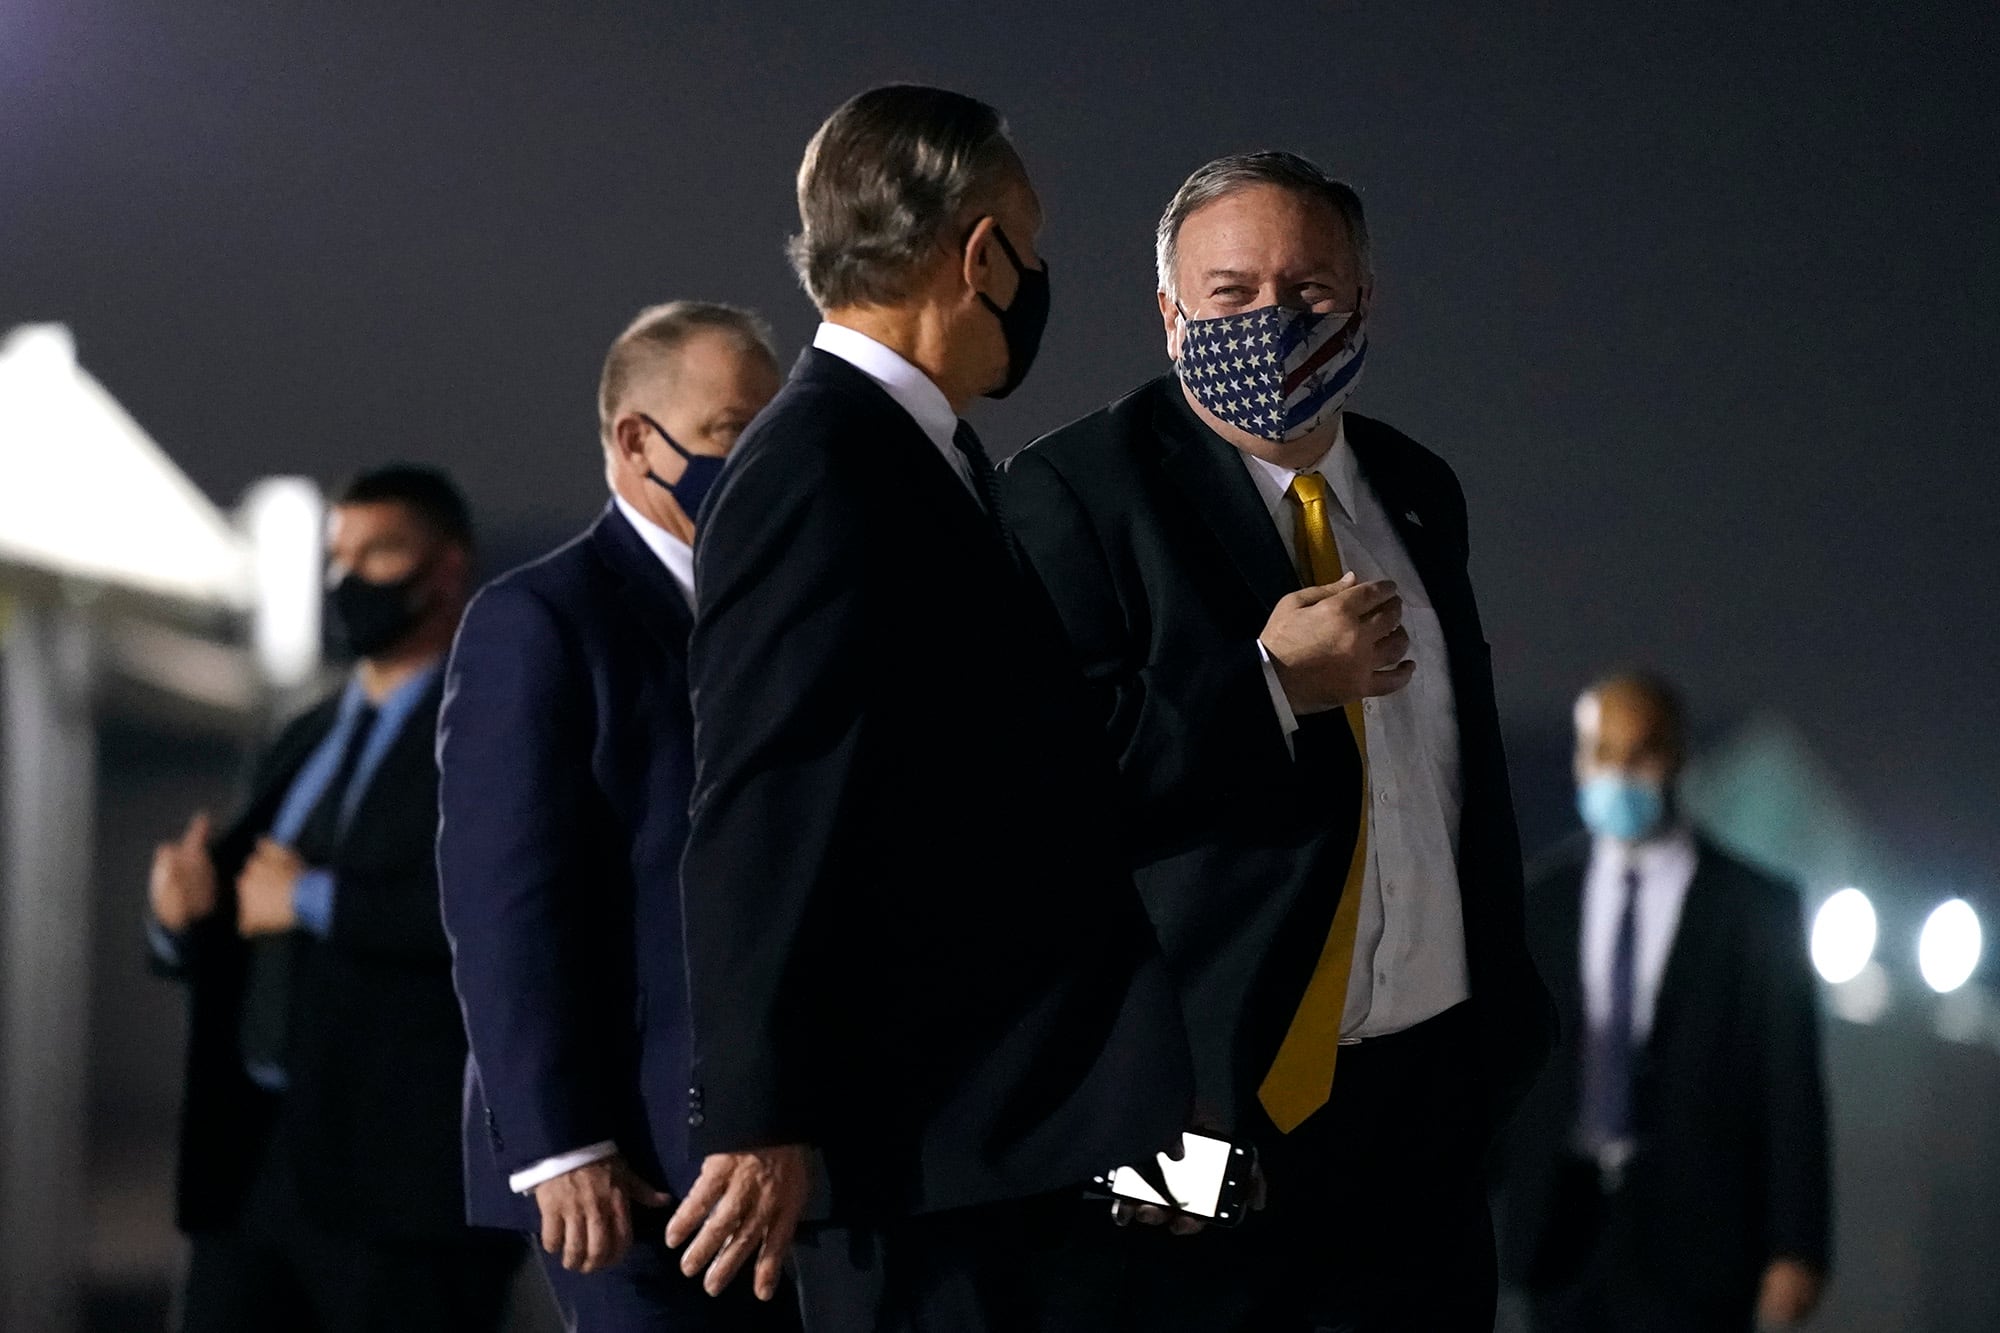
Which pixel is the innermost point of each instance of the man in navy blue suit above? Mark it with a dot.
(565, 751)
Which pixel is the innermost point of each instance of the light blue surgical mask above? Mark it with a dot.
(1618, 805)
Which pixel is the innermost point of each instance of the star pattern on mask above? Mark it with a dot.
(1262, 369)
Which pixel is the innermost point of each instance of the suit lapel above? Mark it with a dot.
(644, 582)
(1208, 470)
(1422, 537)
(1564, 973)
(1697, 937)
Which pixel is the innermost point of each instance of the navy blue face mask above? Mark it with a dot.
(698, 478)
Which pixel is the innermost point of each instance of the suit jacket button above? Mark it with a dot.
(695, 1119)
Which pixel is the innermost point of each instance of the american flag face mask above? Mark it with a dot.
(1276, 372)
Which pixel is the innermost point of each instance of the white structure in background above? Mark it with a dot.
(113, 565)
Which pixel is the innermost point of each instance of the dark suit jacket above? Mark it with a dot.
(565, 751)
(1164, 565)
(376, 1042)
(1731, 1166)
(912, 939)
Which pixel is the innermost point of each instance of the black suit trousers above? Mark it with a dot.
(1377, 1219)
(1025, 1264)
(1616, 1287)
(276, 1268)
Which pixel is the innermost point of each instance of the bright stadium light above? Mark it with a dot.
(1843, 936)
(1948, 949)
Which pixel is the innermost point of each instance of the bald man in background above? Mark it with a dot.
(1669, 1172)
(566, 755)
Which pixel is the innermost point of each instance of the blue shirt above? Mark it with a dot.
(313, 897)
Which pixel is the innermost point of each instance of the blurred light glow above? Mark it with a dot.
(1864, 999)
(283, 518)
(1948, 949)
(1843, 936)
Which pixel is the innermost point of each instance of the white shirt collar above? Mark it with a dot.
(1336, 465)
(1667, 855)
(909, 386)
(674, 553)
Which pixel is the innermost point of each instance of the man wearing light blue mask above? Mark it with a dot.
(1670, 1172)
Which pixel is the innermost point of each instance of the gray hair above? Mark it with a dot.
(659, 331)
(885, 177)
(1239, 171)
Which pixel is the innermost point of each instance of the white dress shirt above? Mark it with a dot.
(678, 557)
(674, 553)
(1666, 868)
(1409, 947)
(913, 390)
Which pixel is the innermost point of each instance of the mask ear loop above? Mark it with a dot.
(672, 444)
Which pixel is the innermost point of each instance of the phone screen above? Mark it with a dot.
(1196, 1180)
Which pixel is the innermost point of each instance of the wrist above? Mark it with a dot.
(1301, 700)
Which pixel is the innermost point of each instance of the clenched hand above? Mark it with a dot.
(1338, 643)
(265, 889)
(181, 889)
(587, 1213)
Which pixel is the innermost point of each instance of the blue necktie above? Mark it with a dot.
(1607, 1094)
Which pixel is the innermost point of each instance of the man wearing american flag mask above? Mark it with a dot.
(1269, 594)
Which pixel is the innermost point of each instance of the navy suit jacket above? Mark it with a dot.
(565, 757)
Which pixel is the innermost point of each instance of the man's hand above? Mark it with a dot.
(181, 889)
(264, 890)
(1125, 1212)
(1790, 1292)
(587, 1213)
(743, 1204)
(1338, 643)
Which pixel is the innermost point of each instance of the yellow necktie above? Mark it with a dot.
(1301, 1076)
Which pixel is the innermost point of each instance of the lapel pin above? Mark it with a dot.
(1411, 515)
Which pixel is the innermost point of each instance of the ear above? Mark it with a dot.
(980, 259)
(1170, 322)
(454, 566)
(629, 433)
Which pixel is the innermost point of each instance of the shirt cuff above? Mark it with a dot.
(1288, 721)
(312, 901)
(521, 1182)
(164, 943)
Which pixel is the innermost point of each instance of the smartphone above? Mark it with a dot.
(1211, 1180)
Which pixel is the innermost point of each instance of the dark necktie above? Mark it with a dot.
(1608, 1077)
(981, 466)
(264, 1030)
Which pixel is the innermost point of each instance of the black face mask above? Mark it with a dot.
(1022, 322)
(374, 617)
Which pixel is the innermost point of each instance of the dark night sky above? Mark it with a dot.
(1700, 301)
